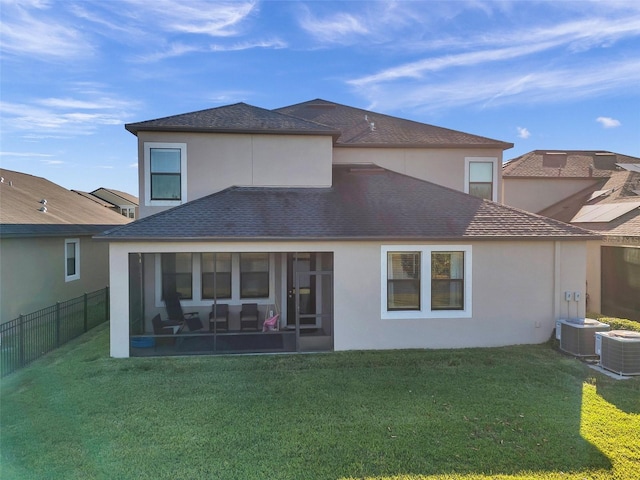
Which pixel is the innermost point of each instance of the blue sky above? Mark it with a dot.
(542, 75)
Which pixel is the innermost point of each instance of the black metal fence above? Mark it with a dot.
(31, 336)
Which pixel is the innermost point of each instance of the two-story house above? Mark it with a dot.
(361, 230)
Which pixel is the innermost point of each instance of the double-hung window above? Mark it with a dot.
(481, 177)
(216, 275)
(426, 281)
(165, 173)
(447, 280)
(71, 259)
(177, 274)
(254, 275)
(403, 280)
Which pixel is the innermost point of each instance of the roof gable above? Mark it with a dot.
(360, 127)
(236, 118)
(363, 203)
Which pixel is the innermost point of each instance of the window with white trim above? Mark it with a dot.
(202, 277)
(165, 173)
(71, 259)
(426, 281)
(177, 274)
(481, 177)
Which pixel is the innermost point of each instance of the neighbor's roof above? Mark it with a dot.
(364, 203)
(611, 207)
(565, 164)
(364, 128)
(22, 208)
(236, 118)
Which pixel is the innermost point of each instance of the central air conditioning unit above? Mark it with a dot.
(619, 351)
(577, 337)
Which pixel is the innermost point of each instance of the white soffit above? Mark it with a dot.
(603, 213)
(630, 167)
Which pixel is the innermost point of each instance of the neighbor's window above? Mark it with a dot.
(216, 275)
(165, 173)
(403, 281)
(254, 275)
(71, 259)
(177, 274)
(481, 177)
(447, 280)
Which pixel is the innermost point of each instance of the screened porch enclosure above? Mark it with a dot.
(229, 296)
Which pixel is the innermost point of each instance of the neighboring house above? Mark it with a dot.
(47, 253)
(122, 202)
(355, 226)
(613, 210)
(542, 178)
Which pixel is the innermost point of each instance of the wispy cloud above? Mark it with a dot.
(608, 122)
(523, 132)
(338, 27)
(181, 49)
(31, 29)
(24, 154)
(505, 87)
(199, 17)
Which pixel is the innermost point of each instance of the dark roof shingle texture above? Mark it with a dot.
(361, 204)
(575, 164)
(236, 118)
(67, 212)
(366, 128)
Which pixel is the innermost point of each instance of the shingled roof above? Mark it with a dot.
(236, 118)
(360, 128)
(365, 202)
(566, 164)
(616, 192)
(23, 211)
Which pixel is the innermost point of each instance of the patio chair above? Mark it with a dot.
(174, 309)
(249, 316)
(164, 328)
(219, 317)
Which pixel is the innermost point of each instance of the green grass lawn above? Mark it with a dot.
(516, 412)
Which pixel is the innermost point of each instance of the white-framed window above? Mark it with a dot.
(481, 177)
(201, 277)
(165, 173)
(426, 281)
(71, 259)
(129, 212)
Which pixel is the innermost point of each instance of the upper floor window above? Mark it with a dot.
(71, 259)
(482, 177)
(165, 170)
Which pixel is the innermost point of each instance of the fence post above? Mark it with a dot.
(86, 312)
(57, 324)
(21, 344)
